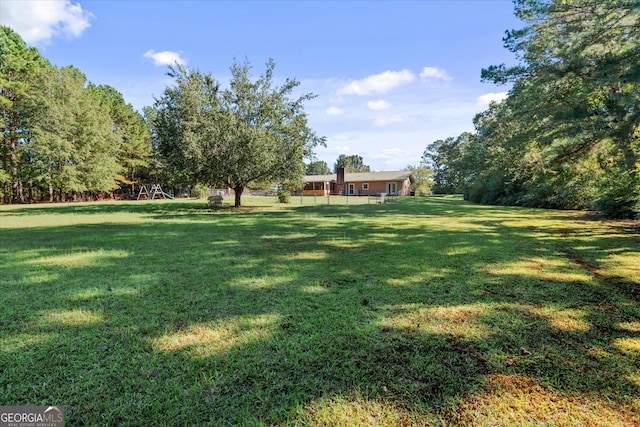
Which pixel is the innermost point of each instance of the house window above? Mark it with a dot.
(365, 186)
(392, 188)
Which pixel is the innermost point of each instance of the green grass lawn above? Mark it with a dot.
(421, 312)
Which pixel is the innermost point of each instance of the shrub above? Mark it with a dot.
(617, 203)
(200, 191)
(284, 196)
(620, 198)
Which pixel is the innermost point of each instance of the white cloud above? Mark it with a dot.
(377, 83)
(40, 21)
(166, 57)
(384, 121)
(414, 119)
(485, 100)
(378, 105)
(334, 111)
(432, 73)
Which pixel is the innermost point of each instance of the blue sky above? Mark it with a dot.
(390, 77)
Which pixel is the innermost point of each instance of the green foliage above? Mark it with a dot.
(351, 164)
(567, 135)
(19, 65)
(72, 136)
(617, 196)
(318, 167)
(284, 196)
(61, 135)
(454, 162)
(249, 132)
(200, 191)
(575, 103)
(423, 179)
(133, 149)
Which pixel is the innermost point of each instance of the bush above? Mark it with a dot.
(618, 204)
(200, 191)
(284, 196)
(486, 191)
(620, 198)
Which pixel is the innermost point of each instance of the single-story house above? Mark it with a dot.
(359, 184)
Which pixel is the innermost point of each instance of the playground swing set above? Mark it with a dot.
(153, 193)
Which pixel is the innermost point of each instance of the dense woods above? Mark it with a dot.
(63, 137)
(568, 135)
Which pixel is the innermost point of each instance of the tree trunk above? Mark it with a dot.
(238, 190)
(17, 189)
(6, 193)
(16, 186)
(133, 182)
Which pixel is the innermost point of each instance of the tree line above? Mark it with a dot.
(568, 134)
(66, 138)
(63, 137)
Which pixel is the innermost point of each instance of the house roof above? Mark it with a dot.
(320, 178)
(363, 177)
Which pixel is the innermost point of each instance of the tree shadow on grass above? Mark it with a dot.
(273, 317)
(155, 207)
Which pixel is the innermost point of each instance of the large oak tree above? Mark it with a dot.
(253, 131)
